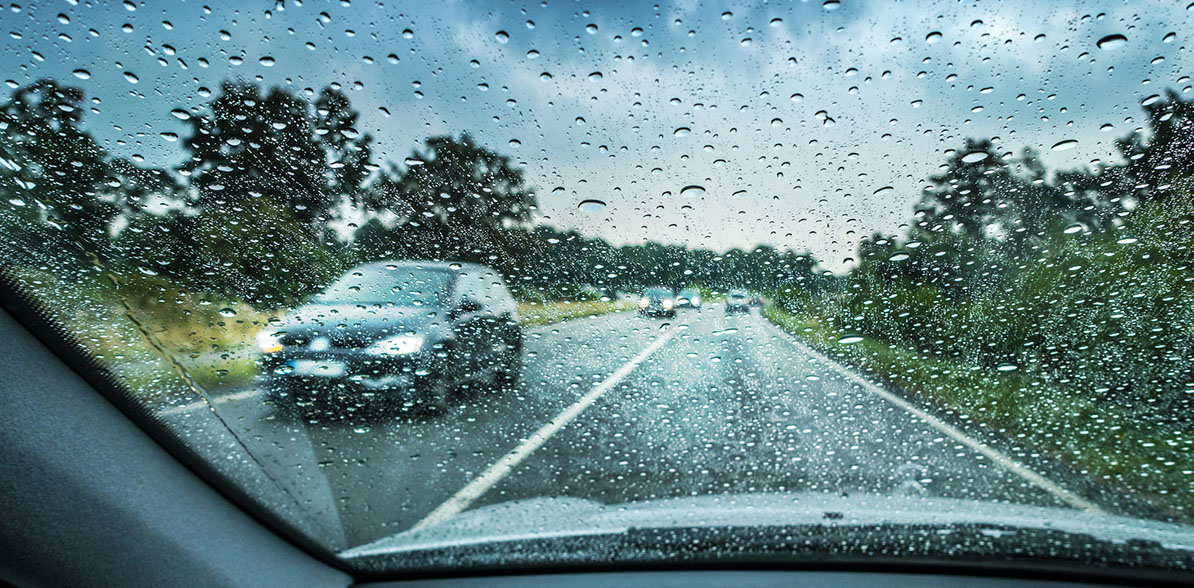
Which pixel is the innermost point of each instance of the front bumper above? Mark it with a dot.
(351, 371)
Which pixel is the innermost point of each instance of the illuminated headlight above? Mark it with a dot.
(400, 345)
(269, 342)
(668, 303)
(644, 302)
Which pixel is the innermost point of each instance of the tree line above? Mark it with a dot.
(250, 213)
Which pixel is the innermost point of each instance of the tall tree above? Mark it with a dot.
(52, 169)
(251, 146)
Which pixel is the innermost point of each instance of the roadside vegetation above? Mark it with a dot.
(1056, 308)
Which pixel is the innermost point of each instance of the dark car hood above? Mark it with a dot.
(350, 321)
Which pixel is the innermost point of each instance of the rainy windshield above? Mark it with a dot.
(390, 286)
(402, 276)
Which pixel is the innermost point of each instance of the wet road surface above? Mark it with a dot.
(621, 408)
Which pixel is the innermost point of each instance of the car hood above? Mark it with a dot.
(562, 517)
(361, 318)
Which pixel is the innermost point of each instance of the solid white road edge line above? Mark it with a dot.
(500, 469)
(987, 451)
(218, 400)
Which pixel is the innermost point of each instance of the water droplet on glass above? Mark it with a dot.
(180, 114)
(131, 77)
(849, 339)
(775, 22)
(1007, 367)
(975, 156)
(595, 76)
(831, 5)
(933, 37)
(692, 191)
(591, 205)
(591, 29)
(1112, 42)
(1074, 228)
(227, 312)
(899, 256)
(682, 132)
(1064, 145)
(82, 74)
(267, 61)
(502, 37)
(885, 190)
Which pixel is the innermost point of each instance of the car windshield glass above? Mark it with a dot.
(393, 285)
(402, 274)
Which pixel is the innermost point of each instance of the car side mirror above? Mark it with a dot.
(469, 305)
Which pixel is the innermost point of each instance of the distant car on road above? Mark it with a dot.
(688, 298)
(755, 299)
(399, 333)
(737, 301)
(657, 301)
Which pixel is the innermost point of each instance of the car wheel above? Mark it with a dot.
(512, 370)
(436, 399)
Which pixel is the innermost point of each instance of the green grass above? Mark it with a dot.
(1150, 462)
(533, 314)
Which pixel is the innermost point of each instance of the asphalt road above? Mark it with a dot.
(620, 408)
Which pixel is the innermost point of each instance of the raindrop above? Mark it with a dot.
(775, 122)
(407, 33)
(1074, 228)
(1064, 145)
(591, 29)
(180, 114)
(831, 5)
(131, 77)
(545, 76)
(580, 121)
(82, 74)
(727, 15)
(797, 97)
(692, 191)
(1150, 100)
(849, 339)
(975, 156)
(1112, 42)
(171, 137)
(515, 143)
(413, 161)
(591, 205)
(267, 61)
(595, 76)
(885, 190)
(1007, 367)
(502, 37)
(682, 132)
(775, 22)
(227, 312)
(899, 256)
(933, 37)
(739, 194)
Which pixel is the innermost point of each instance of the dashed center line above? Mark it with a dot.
(494, 474)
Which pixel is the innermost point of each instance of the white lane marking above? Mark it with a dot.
(954, 433)
(500, 469)
(218, 400)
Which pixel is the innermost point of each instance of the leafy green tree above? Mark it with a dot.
(55, 174)
(250, 145)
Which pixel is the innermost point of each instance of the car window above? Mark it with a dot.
(390, 285)
(935, 264)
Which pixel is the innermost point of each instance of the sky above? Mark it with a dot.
(802, 125)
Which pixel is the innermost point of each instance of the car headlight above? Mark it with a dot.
(644, 302)
(400, 345)
(668, 303)
(269, 342)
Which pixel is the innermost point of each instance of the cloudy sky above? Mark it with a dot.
(804, 124)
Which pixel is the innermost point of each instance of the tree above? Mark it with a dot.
(250, 146)
(59, 171)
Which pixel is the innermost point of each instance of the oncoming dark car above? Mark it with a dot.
(737, 301)
(657, 301)
(396, 334)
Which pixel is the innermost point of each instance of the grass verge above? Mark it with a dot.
(534, 314)
(1148, 461)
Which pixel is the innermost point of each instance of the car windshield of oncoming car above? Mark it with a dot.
(403, 273)
(391, 286)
